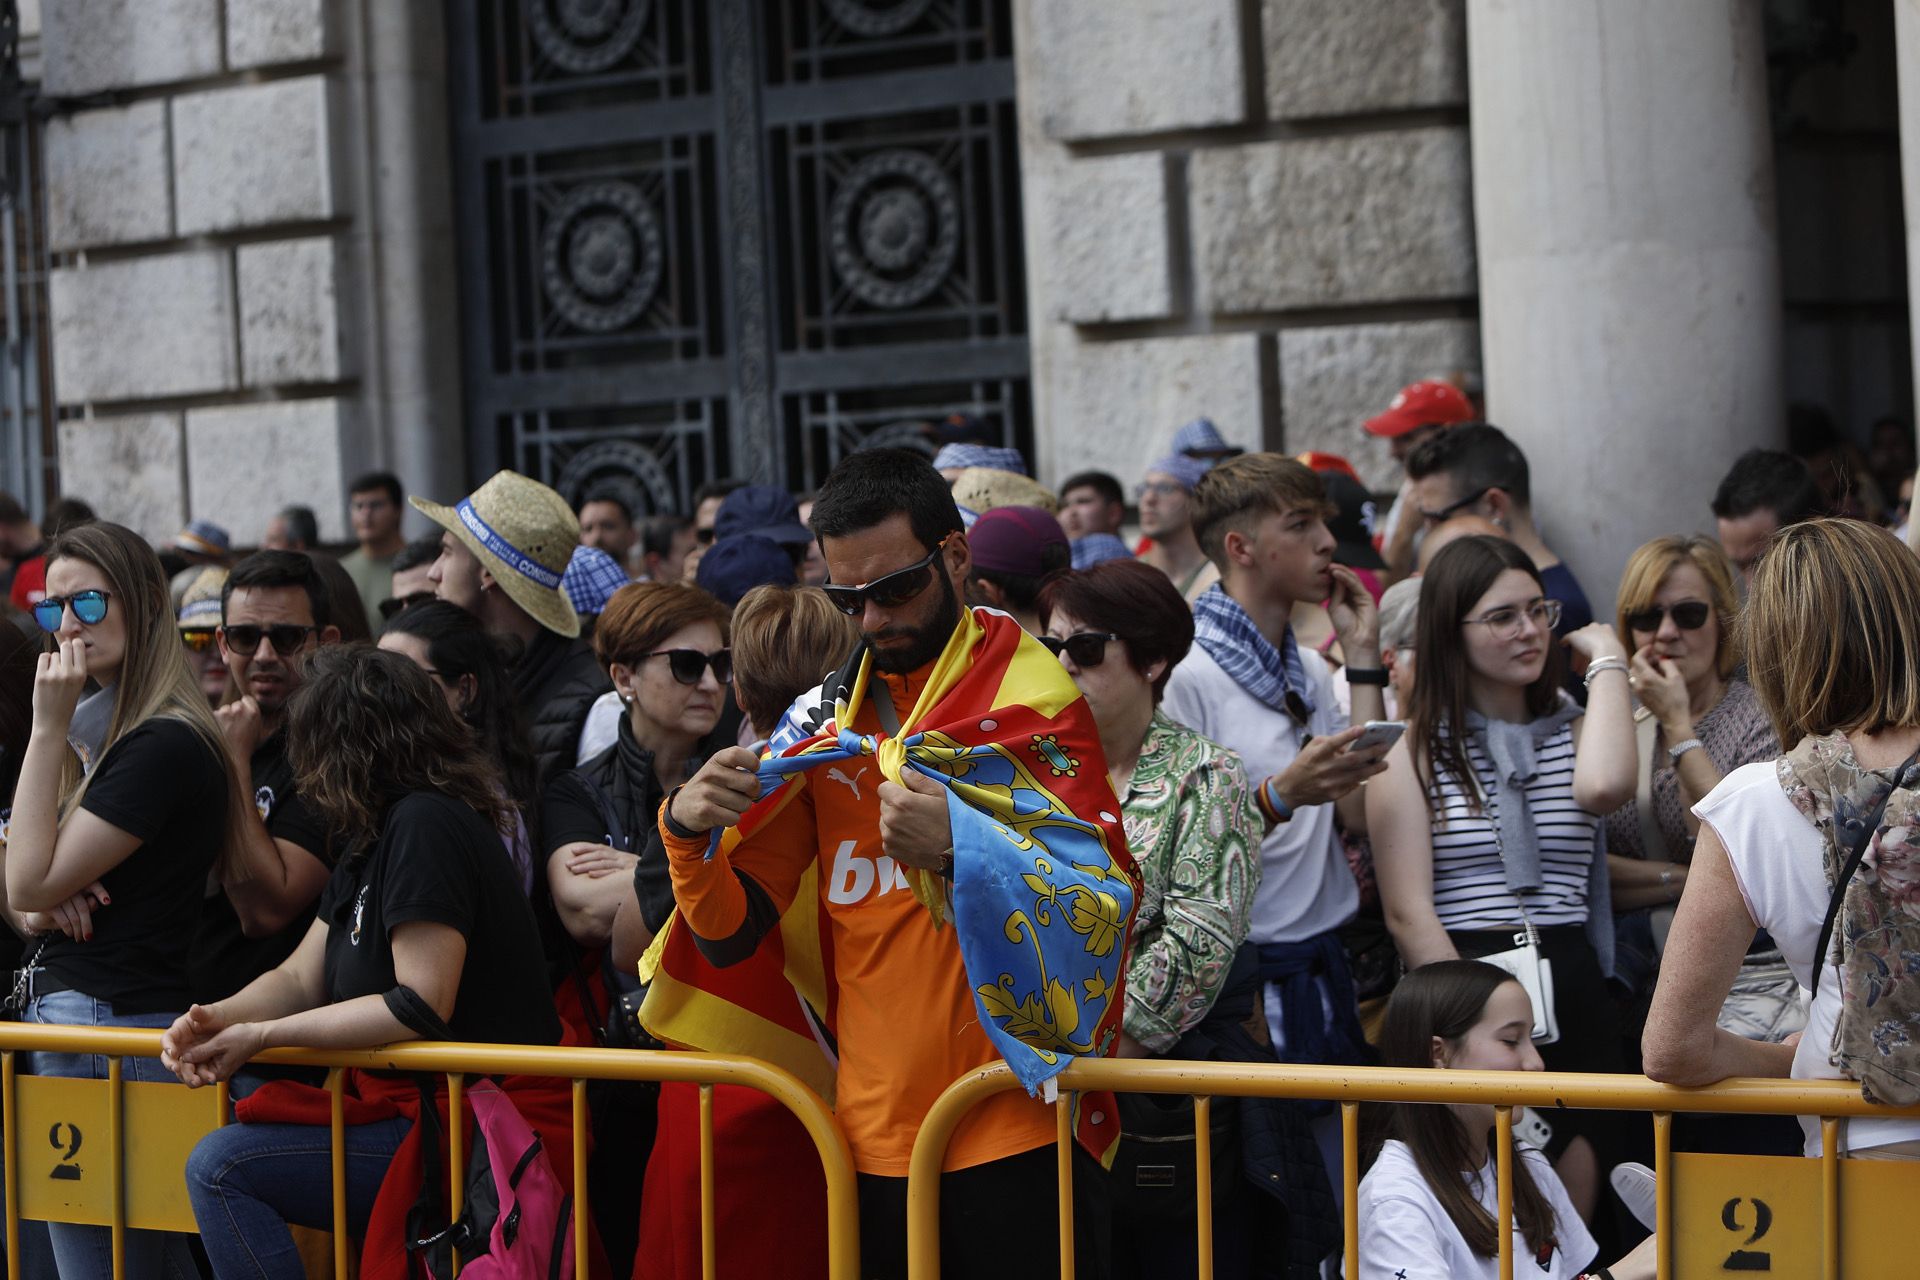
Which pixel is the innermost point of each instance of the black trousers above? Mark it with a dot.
(998, 1221)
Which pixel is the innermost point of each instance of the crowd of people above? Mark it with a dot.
(1304, 785)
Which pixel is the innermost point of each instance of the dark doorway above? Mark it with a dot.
(706, 238)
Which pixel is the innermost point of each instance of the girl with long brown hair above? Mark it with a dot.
(123, 808)
(423, 932)
(1427, 1204)
(1484, 825)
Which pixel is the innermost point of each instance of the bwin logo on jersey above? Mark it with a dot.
(853, 877)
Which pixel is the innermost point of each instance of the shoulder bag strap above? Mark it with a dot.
(1855, 856)
(1653, 842)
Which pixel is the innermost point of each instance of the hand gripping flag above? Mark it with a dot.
(1043, 887)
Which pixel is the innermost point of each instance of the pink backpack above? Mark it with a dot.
(517, 1220)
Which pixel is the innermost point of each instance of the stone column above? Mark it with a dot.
(1629, 283)
(1906, 53)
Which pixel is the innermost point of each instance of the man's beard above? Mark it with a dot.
(928, 639)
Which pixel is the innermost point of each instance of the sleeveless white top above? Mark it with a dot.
(1779, 862)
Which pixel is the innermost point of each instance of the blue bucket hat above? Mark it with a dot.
(734, 566)
(591, 578)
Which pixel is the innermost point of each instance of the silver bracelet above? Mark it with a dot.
(1679, 749)
(1604, 664)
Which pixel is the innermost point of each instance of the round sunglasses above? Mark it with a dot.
(88, 606)
(1086, 648)
(688, 665)
(889, 592)
(1688, 615)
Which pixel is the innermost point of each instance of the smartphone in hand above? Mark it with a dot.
(1379, 734)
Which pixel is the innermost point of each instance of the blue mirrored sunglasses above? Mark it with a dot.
(88, 606)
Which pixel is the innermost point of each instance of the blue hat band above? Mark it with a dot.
(516, 559)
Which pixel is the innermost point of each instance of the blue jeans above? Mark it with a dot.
(248, 1181)
(80, 1252)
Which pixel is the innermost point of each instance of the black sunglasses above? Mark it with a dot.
(1435, 517)
(688, 665)
(704, 536)
(89, 606)
(1688, 615)
(1086, 648)
(394, 604)
(889, 592)
(288, 637)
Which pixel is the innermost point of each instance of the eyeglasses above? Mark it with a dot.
(1688, 615)
(1435, 517)
(89, 607)
(288, 637)
(1512, 622)
(688, 665)
(199, 640)
(1086, 648)
(704, 536)
(889, 592)
(394, 604)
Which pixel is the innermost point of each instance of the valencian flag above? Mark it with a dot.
(1043, 887)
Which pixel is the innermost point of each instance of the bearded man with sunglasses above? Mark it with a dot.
(274, 609)
(908, 1014)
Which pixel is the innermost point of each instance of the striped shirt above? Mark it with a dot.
(1469, 881)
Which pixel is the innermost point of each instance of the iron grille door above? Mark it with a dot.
(706, 238)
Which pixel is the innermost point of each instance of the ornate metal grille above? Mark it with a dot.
(703, 238)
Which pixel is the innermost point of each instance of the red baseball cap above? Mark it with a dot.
(1420, 405)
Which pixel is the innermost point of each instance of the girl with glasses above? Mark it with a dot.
(1699, 719)
(1486, 822)
(1119, 629)
(126, 804)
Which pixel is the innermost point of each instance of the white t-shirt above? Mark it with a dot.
(601, 728)
(1306, 887)
(1406, 1235)
(1779, 862)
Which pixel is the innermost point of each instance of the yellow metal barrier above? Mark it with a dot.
(154, 1197)
(1741, 1194)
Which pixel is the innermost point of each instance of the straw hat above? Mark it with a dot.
(524, 534)
(981, 489)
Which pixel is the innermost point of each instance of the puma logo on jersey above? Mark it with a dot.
(853, 783)
(853, 878)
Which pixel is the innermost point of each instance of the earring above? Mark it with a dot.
(626, 699)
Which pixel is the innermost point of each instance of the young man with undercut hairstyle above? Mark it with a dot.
(1247, 685)
(274, 610)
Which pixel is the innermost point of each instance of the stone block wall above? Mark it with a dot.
(1255, 210)
(247, 210)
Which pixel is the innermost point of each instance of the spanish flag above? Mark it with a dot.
(1043, 887)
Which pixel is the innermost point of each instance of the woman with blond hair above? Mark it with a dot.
(1698, 720)
(1832, 637)
(126, 804)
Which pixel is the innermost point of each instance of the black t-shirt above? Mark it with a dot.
(439, 861)
(224, 959)
(167, 785)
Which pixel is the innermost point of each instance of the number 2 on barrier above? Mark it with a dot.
(1760, 1215)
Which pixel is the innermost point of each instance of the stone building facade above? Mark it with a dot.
(1270, 212)
(1258, 212)
(251, 288)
